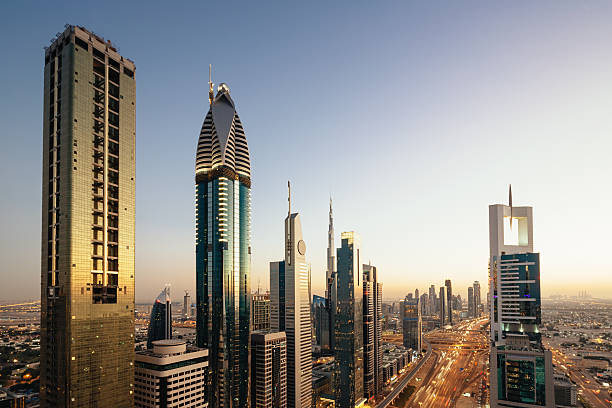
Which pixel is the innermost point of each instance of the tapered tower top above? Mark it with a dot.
(222, 146)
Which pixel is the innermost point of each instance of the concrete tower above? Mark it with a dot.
(223, 250)
(290, 311)
(88, 212)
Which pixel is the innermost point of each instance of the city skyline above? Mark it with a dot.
(439, 202)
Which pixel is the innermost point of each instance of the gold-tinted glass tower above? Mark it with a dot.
(87, 259)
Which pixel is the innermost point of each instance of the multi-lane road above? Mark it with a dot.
(593, 393)
(457, 366)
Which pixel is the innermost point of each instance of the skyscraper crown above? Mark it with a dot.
(222, 146)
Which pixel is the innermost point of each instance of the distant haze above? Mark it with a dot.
(414, 116)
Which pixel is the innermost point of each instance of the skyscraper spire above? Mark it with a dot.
(289, 196)
(331, 259)
(510, 204)
(211, 91)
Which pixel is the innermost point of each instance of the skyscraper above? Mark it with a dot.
(449, 300)
(521, 369)
(186, 305)
(477, 300)
(410, 314)
(290, 312)
(260, 311)
(330, 276)
(321, 322)
(223, 250)
(348, 324)
(87, 263)
(160, 323)
(372, 331)
(268, 370)
(432, 300)
(471, 301)
(442, 306)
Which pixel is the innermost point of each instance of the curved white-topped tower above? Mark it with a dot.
(223, 251)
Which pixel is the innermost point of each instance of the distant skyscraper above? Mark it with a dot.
(477, 299)
(260, 311)
(471, 303)
(521, 369)
(321, 322)
(416, 294)
(169, 372)
(442, 306)
(268, 370)
(449, 300)
(223, 250)
(290, 312)
(372, 332)
(432, 300)
(410, 314)
(330, 275)
(186, 305)
(88, 211)
(348, 324)
(160, 323)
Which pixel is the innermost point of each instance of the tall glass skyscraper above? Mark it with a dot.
(88, 211)
(348, 324)
(223, 250)
(160, 323)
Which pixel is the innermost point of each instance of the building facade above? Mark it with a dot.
(348, 324)
(268, 370)
(521, 368)
(477, 299)
(260, 312)
(290, 312)
(321, 316)
(442, 307)
(170, 374)
(449, 301)
(471, 303)
(160, 323)
(223, 250)
(186, 305)
(372, 332)
(410, 314)
(88, 212)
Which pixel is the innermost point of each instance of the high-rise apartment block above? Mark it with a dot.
(160, 323)
(372, 332)
(170, 374)
(260, 312)
(521, 369)
(268, 370)
(348, 375)
(410, 315)
(223, 250)
(290, 312)
(88, 190)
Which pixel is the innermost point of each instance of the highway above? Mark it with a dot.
(588, 388)
(457, 365)
(402, 384)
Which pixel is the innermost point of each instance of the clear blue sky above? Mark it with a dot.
(413, 115)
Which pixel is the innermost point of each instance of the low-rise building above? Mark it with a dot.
(170, 375)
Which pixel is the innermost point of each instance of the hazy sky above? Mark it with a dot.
(414, 116)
